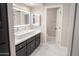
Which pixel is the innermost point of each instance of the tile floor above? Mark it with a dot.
(49, 49)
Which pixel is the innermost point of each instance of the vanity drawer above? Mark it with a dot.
(21, 52)
(20, 45)
(30, 39)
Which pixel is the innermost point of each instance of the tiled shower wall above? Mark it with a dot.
(51, 22)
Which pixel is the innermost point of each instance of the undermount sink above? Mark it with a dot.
(23, 34)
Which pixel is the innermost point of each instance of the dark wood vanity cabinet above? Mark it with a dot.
(27, 47)
(30, 45)
(21, 49)
(21, 52)
(21, 45)
(30, 48)
(37, 42)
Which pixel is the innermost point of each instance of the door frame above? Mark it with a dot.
(56, 6)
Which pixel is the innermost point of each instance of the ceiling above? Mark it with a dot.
(34, 4)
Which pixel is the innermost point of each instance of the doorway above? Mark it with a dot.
(51, 24)
(54, 24)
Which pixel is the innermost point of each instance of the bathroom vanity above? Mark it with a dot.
(25, 46)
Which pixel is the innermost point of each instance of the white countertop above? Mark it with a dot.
(18, 41)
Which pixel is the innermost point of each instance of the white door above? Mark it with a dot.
(59, 27)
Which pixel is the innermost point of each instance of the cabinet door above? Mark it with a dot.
(32, 45)
(21, 52)
(19, 46)
(30, 40)
(37, 41)
(28, 49)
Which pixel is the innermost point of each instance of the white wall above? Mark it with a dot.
(71, 26)
(65, 33)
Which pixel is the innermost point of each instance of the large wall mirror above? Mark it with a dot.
(21, 17)
(27, 18)
(36, 19)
